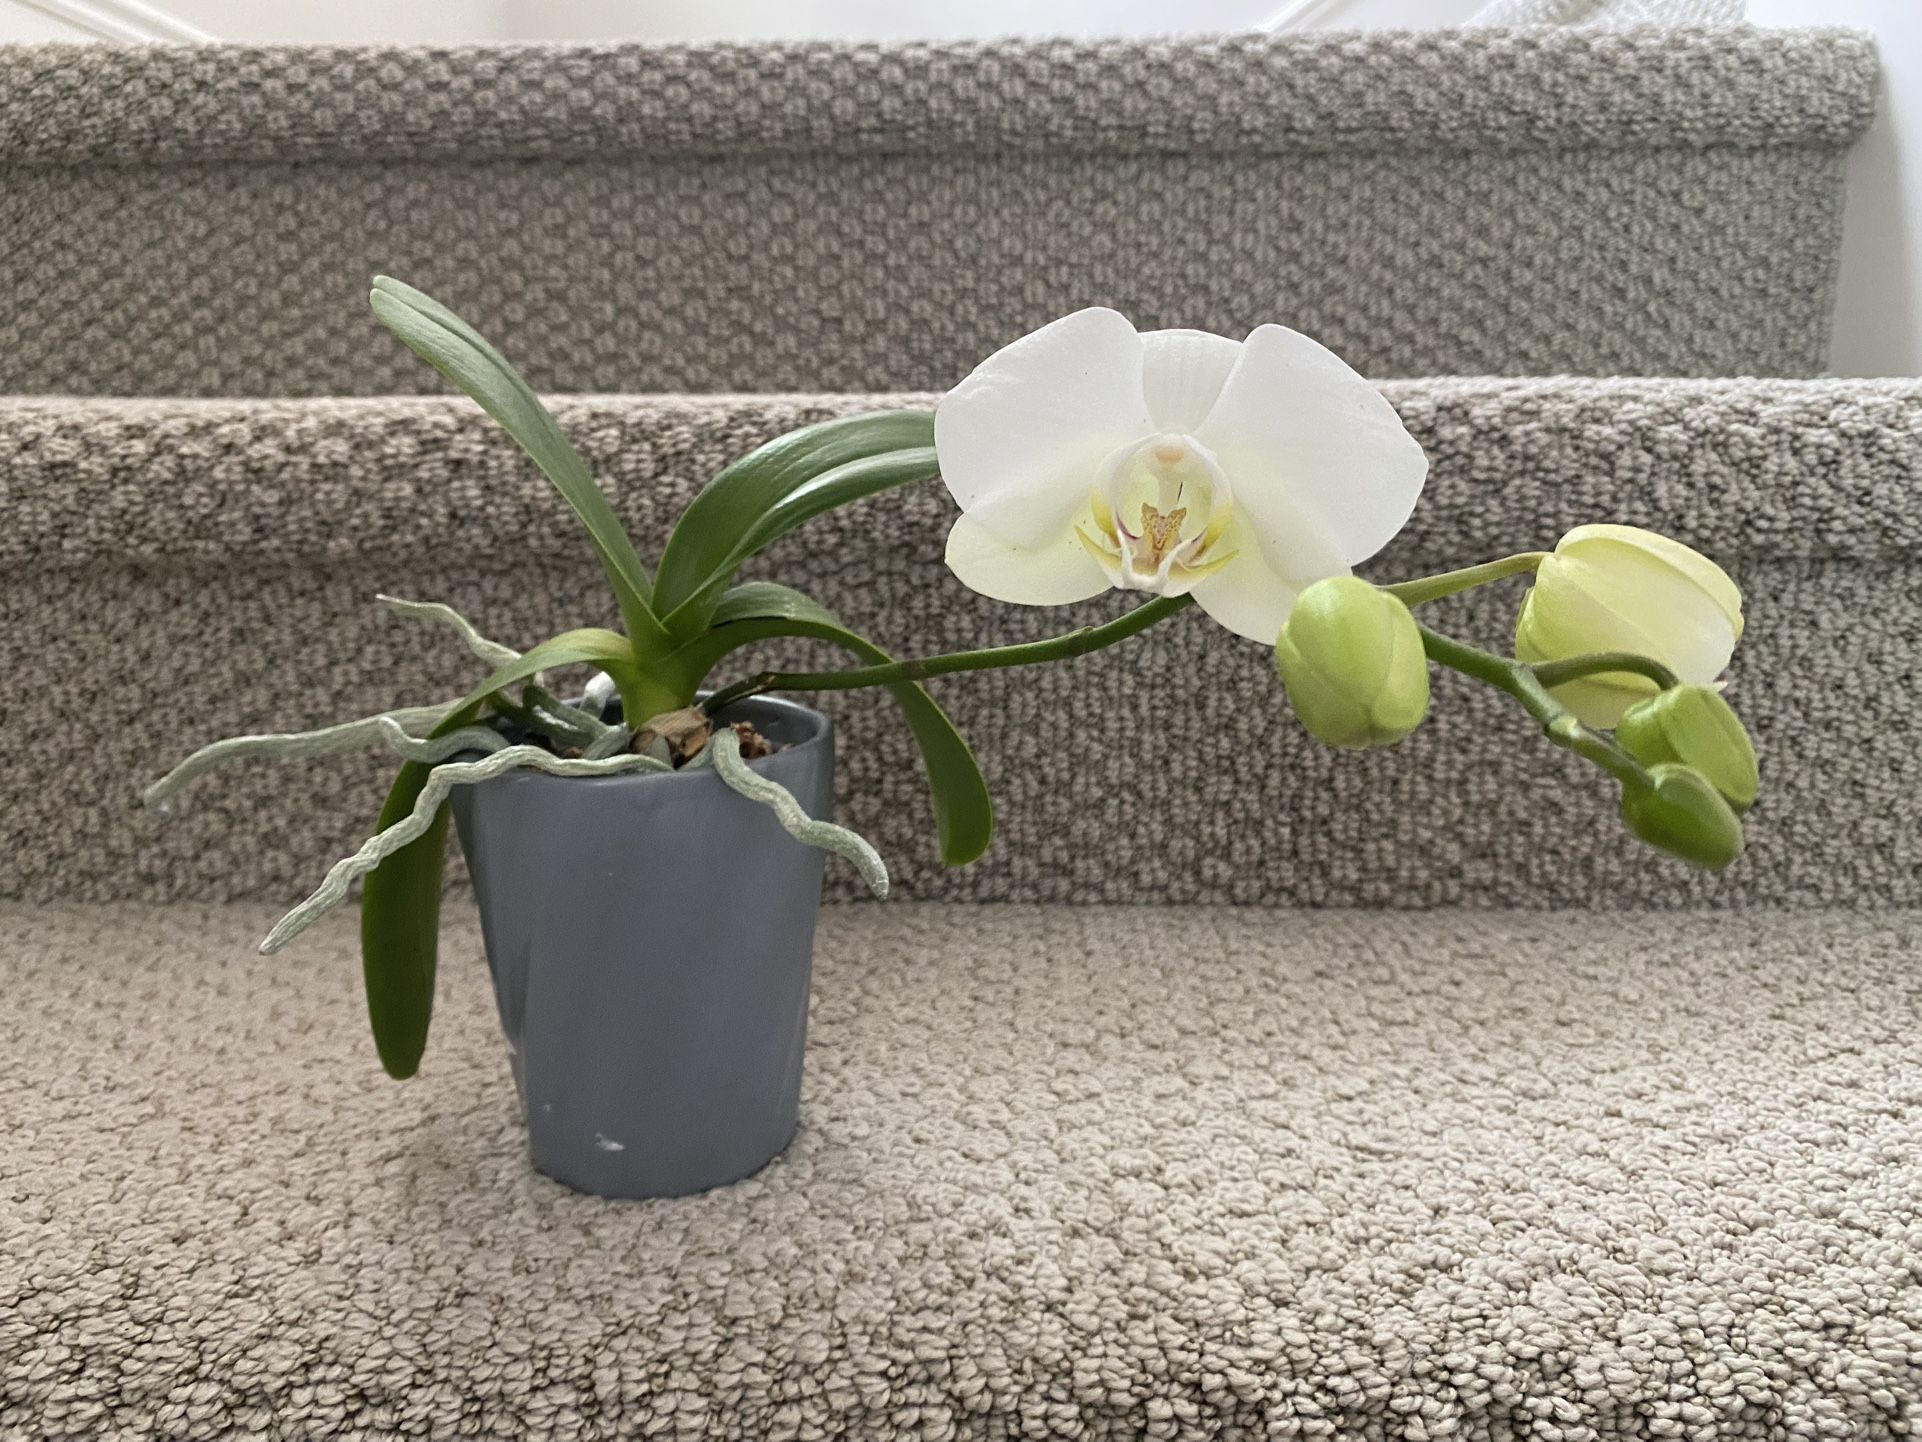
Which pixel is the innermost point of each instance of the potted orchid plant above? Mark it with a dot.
(647, 855)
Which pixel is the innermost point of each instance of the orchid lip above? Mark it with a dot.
(1158, 507)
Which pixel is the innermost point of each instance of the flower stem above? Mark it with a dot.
(1524, 683)
(1554, 673)
(1028, 653)
(1447, 583)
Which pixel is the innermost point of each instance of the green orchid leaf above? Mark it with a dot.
(736, 514)
(460, 353)
(761, 610)
(850, 482)
(591, 646)
(837, 487)
(400, 921)
(766, 600)
(400, 898)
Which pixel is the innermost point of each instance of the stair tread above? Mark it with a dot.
(1068, 1169)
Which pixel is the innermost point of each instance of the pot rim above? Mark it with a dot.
(821, 730)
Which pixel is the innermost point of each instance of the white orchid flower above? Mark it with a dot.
(1089, 455)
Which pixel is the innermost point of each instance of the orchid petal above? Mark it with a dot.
(1661, 615)
(1302, 435)
(1670, 578)
(1020, 439)
(1249, 598)
(1182, 373)
(1051, 574)
(1291, 539)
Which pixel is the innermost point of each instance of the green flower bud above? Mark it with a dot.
(1693, 725)
(1351, 658)
(1679, 811)
(1621, 588)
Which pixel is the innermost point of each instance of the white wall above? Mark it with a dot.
(1879, 311)
(927, 19)
(1878, 315)
(349, 22)
(29, 21)
(480, 21)
(29, 26)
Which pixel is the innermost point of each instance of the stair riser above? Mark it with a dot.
(1164, 770)
(900, 272)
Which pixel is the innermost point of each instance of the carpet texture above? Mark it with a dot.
(234, 549)
(188, 221)
(1130, 1173)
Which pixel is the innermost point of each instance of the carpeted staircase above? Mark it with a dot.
(1638, 1154)
(196, 221)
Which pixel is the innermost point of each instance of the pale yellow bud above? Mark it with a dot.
(1620, 588)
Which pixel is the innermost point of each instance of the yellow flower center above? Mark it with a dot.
(1178, 498)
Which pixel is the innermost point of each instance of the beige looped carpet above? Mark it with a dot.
(822, 217)
(1099, 1173)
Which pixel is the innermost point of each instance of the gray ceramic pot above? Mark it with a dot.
(650, 939)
